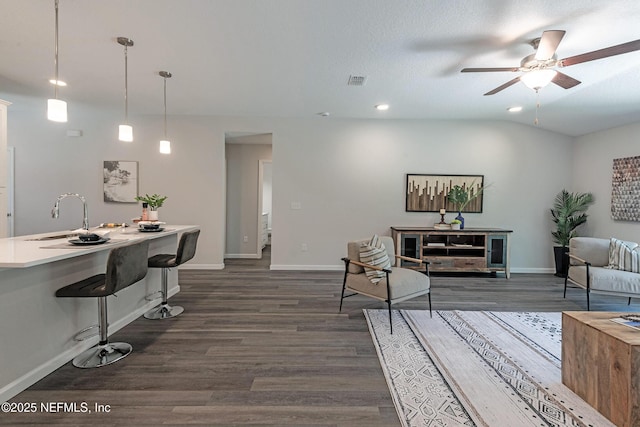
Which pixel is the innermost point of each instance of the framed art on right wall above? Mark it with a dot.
(625, 189)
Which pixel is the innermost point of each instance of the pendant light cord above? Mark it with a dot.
(55, 86)
(165, 108)
(126, 86)
(535, 122)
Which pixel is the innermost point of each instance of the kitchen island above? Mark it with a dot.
(37, 329)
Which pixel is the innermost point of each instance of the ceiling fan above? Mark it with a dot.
(538, 68)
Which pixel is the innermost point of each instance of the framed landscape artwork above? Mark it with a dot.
(625, 189)
(428, 193)
(120, 181)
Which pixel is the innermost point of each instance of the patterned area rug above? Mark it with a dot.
(477, 368)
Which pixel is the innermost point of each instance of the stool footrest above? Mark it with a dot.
(80, 335)
(154, 295)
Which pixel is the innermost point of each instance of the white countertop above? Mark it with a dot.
(25, 251)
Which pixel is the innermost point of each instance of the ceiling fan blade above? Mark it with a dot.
(487, 70)
(564, 81)
(601, 53)
(504, 86)
(548, 44)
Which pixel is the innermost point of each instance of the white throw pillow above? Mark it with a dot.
(624, 255)
(374, 253)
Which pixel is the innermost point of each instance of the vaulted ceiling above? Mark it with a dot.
(293, 58)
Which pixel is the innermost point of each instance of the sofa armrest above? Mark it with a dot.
(408, 258)
(365, 265)
(578, 259)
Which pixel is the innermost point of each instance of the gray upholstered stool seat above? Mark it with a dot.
(186, 251)
(126, 265)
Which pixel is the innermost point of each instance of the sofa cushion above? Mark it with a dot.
(353, 252)
(374, 252)
(404, 283)
(607, 279)
(591, 249)
(624, 255)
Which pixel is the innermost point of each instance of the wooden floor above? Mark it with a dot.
(261, 347)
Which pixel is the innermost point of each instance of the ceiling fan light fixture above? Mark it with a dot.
(537, 79)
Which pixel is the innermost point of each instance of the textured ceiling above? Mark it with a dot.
(292, 58)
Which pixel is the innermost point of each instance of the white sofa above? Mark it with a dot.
(589, 269)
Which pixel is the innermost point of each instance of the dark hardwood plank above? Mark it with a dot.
(261, 347)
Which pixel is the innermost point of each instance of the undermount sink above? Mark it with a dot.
(53, 237)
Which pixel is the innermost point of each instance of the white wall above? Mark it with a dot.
(592, 172)
(349, 178)
(347, 175)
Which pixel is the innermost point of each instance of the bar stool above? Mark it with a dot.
(126, 265)
(186, 251)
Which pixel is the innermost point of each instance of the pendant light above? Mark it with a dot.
(56, 108)
(125, 131)
(165, 144)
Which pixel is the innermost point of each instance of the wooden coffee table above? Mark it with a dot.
(601, 364)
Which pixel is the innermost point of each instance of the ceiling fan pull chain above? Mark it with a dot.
(535, 122)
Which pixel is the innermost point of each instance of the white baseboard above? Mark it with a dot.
(189, 266)
(339, 267)
(533, 270)
(38, 373)
(293, 267)
(242, 256)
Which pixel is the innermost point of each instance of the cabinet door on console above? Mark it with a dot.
(411, 246)
(497, 251)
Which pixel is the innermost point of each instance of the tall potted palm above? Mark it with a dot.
(568, 213)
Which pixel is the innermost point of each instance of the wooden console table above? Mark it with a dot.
(470, 250)
(601, 364)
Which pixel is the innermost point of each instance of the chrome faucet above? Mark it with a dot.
(55, 212)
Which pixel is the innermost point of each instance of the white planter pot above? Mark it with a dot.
(153, 215)
(455, 226)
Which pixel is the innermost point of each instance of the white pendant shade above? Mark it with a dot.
(56, 110)
(537, 79)
(165, 147)
(125, 133)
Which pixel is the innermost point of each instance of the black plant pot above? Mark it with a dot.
(562, 261)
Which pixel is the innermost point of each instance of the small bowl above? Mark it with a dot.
(149, 226)
(89, 237)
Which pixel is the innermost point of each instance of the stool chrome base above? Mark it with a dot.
(102, 355)
(163, 311)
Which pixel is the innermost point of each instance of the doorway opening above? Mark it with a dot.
(248, 195)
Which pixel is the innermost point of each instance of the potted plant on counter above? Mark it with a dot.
(455, 224)
(153, 202)
(568, 213)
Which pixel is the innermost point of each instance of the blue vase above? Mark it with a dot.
(461, 219)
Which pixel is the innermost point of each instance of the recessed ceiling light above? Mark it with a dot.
(516, 109)
(60, 82)
(382, 107)
(324, 114)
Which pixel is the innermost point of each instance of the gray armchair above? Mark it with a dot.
(398, 284)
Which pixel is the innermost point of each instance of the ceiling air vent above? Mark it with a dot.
(357, 80)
